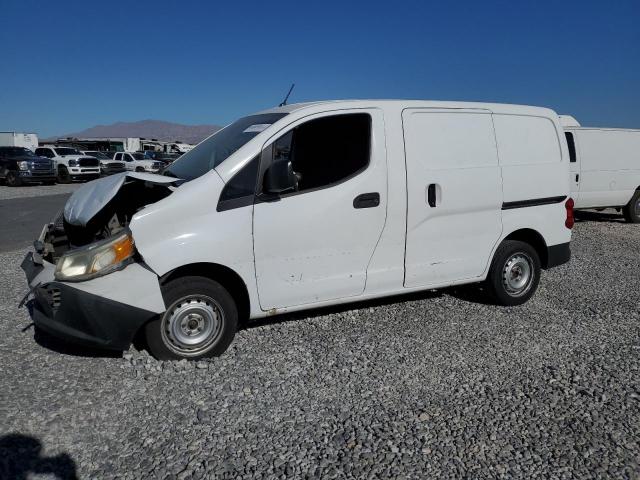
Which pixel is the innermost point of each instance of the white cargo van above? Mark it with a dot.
(605, 169)
(304, 206)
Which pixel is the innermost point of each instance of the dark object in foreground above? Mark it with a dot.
(20, 456)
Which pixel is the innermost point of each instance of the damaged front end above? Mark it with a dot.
(100, 210)
(88, 283)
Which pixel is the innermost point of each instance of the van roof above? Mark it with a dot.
(361, 103)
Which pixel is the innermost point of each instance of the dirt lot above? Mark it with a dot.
(433, 385)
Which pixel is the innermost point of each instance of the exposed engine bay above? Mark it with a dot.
(101, 209)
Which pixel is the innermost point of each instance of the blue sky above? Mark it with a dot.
(71, 65)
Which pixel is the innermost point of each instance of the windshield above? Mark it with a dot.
(15, 151)
(139, 156)
(99, 155)
(217, 148)
(66, 151)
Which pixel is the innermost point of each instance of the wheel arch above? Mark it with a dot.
(227, 277)
(533, 238)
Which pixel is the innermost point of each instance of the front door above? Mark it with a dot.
(454, 195)
(314, 244)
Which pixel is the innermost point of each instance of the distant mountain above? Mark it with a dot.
(165, 131)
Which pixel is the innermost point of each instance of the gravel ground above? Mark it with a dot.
(435, 385)
(36, 190)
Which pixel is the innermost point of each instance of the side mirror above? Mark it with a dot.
(280, 178)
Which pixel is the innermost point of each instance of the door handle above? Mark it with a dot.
(431, 195)
(577, 177)
(367, 200)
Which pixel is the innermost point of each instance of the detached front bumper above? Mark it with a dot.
(96, 313)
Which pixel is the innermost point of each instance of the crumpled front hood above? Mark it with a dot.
(89, 199)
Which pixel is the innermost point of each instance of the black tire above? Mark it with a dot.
(631, 211)
(63, 175)
(511, 264)
(13, 180)
(139, 169)
(191, 301)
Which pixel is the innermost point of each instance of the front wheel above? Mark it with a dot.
(201, 320)
(63, 175)
(514, 274)
(632, 210)
(13, 180)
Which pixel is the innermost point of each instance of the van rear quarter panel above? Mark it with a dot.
(535, 165)
(609, 166)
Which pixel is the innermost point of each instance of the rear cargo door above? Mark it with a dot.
(454, 194)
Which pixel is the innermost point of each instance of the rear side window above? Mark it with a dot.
(526, 140)
(572, 146)
(327, 150)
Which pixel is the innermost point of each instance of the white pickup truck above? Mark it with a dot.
(108, 166)
(70, 164)
(137, 162)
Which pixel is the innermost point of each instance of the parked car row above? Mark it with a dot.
(51, 164)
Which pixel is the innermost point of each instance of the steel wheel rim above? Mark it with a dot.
(192, 325)
(517, 274)
(638, 207)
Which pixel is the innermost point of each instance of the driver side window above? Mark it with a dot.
(326, 151)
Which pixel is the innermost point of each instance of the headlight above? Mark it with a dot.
(23, 165)
(96, 259)
(73, 163)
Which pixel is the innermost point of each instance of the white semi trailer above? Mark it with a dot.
(17, 139)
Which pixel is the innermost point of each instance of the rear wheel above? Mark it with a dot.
(201, 320)
(63, 175)
(139, 169)
(632, 210)
(13, 180)
(514, 274)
